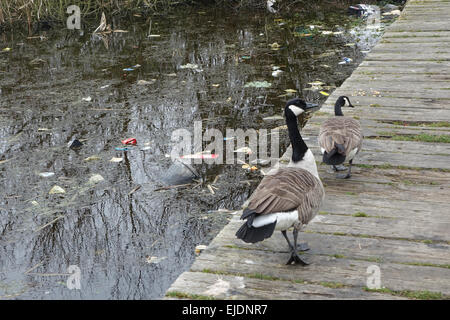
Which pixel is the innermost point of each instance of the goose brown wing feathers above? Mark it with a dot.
(287, 190)
(344, 131)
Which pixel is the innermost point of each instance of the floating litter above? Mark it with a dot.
(200, 156)
(75, 144)
(46, 174)
(346, 61)
(200, 248)
(57, 190)
(92, 158)
(130, 141)
(96, 178)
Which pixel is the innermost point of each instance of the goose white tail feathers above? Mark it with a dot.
(251, 234)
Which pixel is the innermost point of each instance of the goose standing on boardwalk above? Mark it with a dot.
(340, 139)
(290, 197)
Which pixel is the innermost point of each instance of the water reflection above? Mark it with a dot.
(113, 228)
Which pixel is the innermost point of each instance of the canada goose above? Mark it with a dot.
(340, 139)
(288, 198)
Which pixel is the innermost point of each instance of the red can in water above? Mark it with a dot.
(130, 141)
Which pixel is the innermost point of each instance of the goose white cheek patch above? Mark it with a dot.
(296, 110)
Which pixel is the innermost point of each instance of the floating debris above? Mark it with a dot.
(92, 158)
(145, 82)
(130, 141)
(200, 248)
(154, 260)
(275, 46)
(246, 150)
(189, 66)
(6, 49)
(276, 117)
(277, 73)
(104, 87)
(290, 90)
(96, 178)
(56, 190)
(346, 61)
(87, 99)
(392, 13)
(200, 156)
(316, 83)
(134, 189)
(324, 93)
(102, 25)
(258, 84)
(75, 144)
(46, 174)
(122, 149)
(114, 159)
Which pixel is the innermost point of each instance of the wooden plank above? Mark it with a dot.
(322, 269)
(363, 248)
(239, 288)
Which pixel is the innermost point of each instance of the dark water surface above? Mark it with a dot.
(106, 229)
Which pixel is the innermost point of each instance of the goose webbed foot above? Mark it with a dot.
(348, 174)
(339, 167)
(295, 258)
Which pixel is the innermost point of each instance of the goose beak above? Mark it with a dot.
(310, 106)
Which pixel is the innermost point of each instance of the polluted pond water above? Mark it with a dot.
(110, 208)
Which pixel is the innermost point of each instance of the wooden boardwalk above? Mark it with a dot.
(393, 213)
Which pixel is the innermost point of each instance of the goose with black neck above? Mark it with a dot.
(340, 139)
(289, 196)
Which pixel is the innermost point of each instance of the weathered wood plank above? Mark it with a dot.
(235, 287)
(363, 248)
(322, 269)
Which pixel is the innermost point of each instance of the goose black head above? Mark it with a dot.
(297, 106)
(342, 101)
